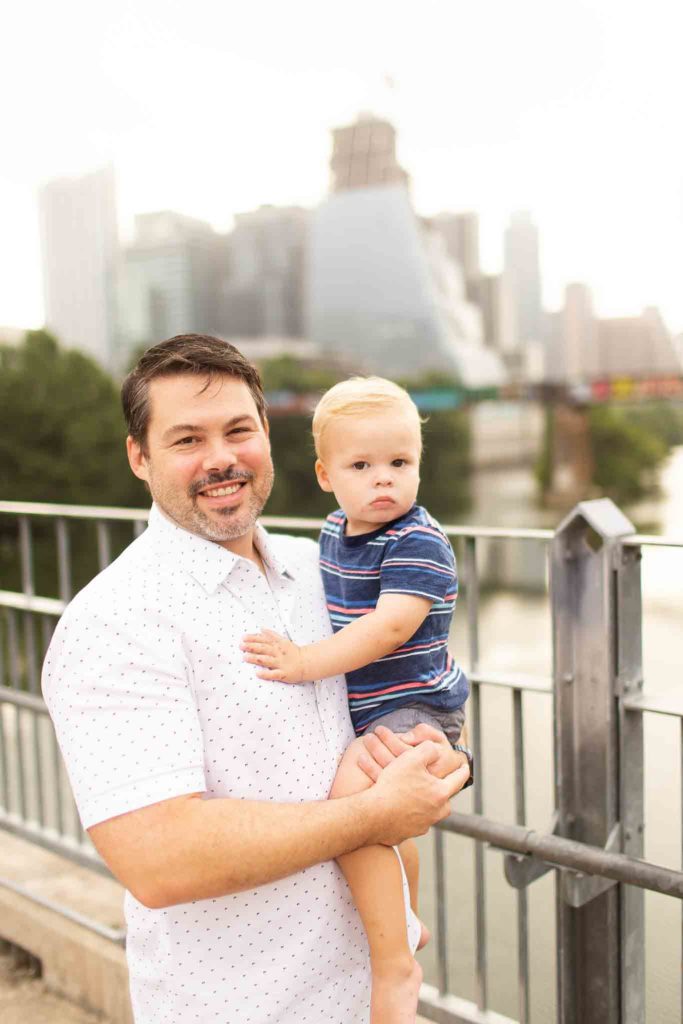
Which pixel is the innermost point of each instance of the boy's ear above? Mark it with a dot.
(322, 476)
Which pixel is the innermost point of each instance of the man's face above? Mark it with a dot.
(207, 461)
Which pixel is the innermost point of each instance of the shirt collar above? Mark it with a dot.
(207, 562)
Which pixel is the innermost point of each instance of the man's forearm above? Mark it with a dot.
(189, 848)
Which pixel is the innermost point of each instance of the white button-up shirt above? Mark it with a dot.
(151, 699)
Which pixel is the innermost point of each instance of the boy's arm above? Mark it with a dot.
(395, 619)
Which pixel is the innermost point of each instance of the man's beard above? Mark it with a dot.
(236, 521)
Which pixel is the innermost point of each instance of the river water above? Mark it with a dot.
(515, 636)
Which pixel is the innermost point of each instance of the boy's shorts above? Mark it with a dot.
(406, 718)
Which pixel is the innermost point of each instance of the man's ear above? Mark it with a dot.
(137, 459)
(322, 476)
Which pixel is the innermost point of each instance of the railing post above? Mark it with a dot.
(595, 584)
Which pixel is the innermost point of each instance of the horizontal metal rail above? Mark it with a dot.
(30, 603)
(21, 699)
(567, 853)
(37, 508)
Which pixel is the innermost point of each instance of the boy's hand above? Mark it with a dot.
(281, 660)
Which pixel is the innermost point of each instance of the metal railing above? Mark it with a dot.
(595, 841)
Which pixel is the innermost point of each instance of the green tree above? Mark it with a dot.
(286, 373)
(626, 454)
(62, 437)
(445, 470)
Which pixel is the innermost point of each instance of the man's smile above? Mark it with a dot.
(221, 490)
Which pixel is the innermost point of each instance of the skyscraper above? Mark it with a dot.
(364, 154)
(79, 241)
(523, 272)
(262, 292)
(171, 279)
(461, 233)
(384, 293)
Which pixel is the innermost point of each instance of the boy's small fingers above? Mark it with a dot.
(271, 675)
(370, 767)
(391, 740)
(377, 750)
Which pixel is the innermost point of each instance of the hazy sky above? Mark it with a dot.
(570, 108)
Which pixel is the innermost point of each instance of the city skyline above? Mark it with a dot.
(569, 113)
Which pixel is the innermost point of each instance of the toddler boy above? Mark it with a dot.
(391, 584)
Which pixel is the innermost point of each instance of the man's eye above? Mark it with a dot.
(184, 441)
(359, 465)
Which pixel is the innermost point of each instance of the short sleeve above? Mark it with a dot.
(123, 709)
(419, 561)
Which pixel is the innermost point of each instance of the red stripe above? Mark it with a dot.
(427, 566)
(393, 689)
(351, 611)
(418, 647)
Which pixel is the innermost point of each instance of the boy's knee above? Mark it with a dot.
(350, 778)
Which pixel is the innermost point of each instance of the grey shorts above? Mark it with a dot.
(406, 718)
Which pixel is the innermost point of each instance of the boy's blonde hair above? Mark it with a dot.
(359, 395)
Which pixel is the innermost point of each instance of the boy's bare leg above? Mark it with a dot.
(411, 865)
(374, 877)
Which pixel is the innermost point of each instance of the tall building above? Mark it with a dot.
(364, 155)
(385, 295)
(491, 293)
(171, 278)
(461, 233)
(262, 292)
(638, 346)
(79, 241)
(523, 271)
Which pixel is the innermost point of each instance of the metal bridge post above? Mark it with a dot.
(595, 584)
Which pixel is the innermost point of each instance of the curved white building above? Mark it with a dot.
(385, 294)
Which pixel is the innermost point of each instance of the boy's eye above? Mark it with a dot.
(399, 462)
(359, 465)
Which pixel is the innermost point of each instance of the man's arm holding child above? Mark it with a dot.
(395, 619)
(187, 848)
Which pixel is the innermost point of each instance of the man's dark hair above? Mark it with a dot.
(198, 354)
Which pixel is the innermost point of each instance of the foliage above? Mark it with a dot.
(661, 418)
(285, 373)
(543, 469)
(62, 429)
(444, 489)
(626, 454)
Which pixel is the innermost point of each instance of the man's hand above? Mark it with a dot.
(384, 746)
(282, 661)
(408, 797)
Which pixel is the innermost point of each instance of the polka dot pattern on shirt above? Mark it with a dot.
(151, 699)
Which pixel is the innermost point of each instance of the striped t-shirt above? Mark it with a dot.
(410, 555)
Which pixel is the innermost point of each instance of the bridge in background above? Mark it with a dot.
(433, 399)
(594, 842)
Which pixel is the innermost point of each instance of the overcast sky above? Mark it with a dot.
(568, 108)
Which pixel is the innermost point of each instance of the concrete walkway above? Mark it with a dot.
(84, 978)
(25, 999)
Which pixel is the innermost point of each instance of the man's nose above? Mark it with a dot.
(218, 456)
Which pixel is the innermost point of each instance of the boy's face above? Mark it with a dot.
(372, 464)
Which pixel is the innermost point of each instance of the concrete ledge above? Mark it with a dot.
(78, 964)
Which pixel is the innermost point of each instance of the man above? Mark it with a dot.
(204, 788)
